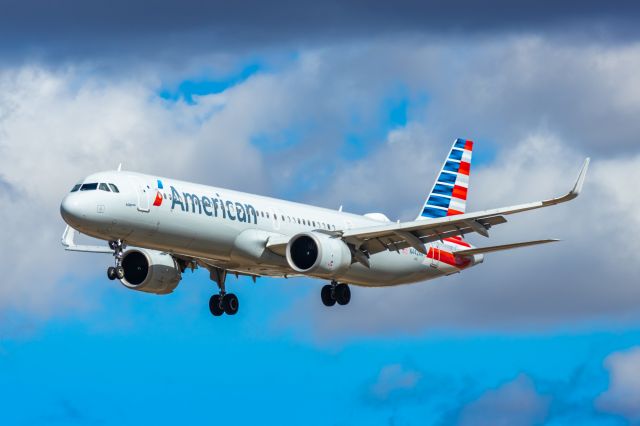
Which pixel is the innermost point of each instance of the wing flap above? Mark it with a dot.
(391, 239)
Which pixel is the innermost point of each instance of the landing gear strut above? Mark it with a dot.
(117, 271)
(222, 303)
(334, 292)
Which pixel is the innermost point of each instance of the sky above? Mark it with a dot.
(330, 103)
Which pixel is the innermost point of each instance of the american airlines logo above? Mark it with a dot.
(210, 206)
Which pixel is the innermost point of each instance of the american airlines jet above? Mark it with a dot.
(157, 227)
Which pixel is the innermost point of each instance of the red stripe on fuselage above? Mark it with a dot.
(448, 258)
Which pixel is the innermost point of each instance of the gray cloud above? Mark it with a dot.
(394, 382)
(513, 403)
(531, 288)
(80, 29)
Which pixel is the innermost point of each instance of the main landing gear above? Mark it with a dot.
(222, 303)
(117, 271)
(334, 292)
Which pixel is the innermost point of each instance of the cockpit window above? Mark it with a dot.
(113, 187)
(104, 187)
(76, 187)
(89, 187)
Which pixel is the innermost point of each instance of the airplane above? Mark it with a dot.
(158, 227)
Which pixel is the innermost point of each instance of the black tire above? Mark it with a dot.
(230, 304)
(119, 272)
(111, 273)
(343, 294)
(327, 297)
(215, 306)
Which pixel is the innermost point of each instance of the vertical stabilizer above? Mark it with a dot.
(449, 193)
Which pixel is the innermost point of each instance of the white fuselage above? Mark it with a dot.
(221, 226)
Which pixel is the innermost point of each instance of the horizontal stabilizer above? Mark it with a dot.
(490, 249)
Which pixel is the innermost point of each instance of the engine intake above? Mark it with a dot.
(150, 271)
(318, 254)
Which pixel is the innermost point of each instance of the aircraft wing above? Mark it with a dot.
(415, 234)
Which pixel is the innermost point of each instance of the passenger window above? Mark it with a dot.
(113, 187)
(89, 187)
(104, 187)
(298, 221)
(314, 223)
(267, 215)
(76, 187)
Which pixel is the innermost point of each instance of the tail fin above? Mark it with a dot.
(449, 193)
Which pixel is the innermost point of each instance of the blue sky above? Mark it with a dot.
(328, 109)
(170, 361)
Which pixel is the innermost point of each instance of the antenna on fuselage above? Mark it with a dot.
(120, 167)
(340, 209)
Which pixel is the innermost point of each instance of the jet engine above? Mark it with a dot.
(318, 254)
(150, 271)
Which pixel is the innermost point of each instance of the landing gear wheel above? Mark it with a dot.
(327, 296)
(343, 294)
(215, 305)
(230, 304)
(111, 273)
(119, 272)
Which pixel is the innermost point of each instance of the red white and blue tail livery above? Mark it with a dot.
(448, 196)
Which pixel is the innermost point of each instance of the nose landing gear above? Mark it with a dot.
(334, 292)
(117, 271)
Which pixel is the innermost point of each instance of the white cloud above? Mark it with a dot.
(56, 126)
(623, 395)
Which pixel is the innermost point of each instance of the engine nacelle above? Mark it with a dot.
(150, 271)
(318, 254)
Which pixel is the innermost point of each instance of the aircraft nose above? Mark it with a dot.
(71, 209)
